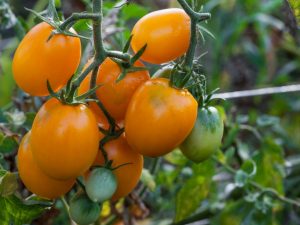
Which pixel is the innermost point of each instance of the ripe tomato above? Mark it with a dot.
(205, 137)
(128, 175)
(166, 33)
(159, 118)
(83, 210)
(34, 178)
(38, 60)
(115, 96)
(64, 139)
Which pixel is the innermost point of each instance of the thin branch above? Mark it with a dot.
(259, 92)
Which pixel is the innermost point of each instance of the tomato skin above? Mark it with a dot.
(34, 178)
(64, 139)
(166, 33)
(101, 184)
(37, 60)
(84, 211)
(128, 175)
(159, 118)
(115, 96)
(206, 136)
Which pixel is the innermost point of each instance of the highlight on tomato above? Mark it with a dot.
(38, 59)
(64, 139)
(114, 95)
(34, 178)
(130, 162)
(206, 136)
(159, 117)
(166, 33)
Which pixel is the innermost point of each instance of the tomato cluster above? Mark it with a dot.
(65, 137)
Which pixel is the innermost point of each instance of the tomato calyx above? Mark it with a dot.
(68, 95)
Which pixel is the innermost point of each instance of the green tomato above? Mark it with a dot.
(206, 136)
(164, 72)
(84, 211)
(101, 185)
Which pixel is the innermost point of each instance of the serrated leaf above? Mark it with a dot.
(195, 190)
(20, 212)
(8, 184)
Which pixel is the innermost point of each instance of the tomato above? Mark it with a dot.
(128, 175)
(64, 139)
(115, 96)
(164, 72)
(205, 137)
(38, 59)
(33, 177)
(166, 33)
(101, 184)
(84, 211)
(159, 117)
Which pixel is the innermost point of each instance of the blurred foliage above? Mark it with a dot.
(255, 45)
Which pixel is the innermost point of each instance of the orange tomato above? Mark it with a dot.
(159, 117)
(166, 33)
(38, 59)
(34, 178)
(115, 96)
(64, 139)
(128, 175)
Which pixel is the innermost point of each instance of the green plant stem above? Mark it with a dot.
(119, 55)
(77, 16)
(66, 206)
(266, 190)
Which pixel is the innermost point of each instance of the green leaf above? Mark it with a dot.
(295, 5)
(241, 178)
(20, 212)
(8, 144)
(270, 164)
(195, 190)
(133, 11)
(8, 184)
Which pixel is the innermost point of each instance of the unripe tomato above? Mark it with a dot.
(38, 59)
(159, 117)
(164, 72)
(34, 178)
(65, 139)
(84, 211)
(166, 33)
(101, 184)
(205, 137)
(115, 96)
(128, 175)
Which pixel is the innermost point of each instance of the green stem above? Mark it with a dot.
(119, 55)
(188, 64)
(100, 53)
(266, 190)
(199, 216)
(77, 16)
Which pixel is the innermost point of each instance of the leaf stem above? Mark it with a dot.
(267, 190)
(77, 16)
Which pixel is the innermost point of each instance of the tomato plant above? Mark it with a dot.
(34, 178)
(206, 136)
(162, 31)
(39, 58)
(115, 95)
(64, 134)
(130, 165)
(159, 117)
